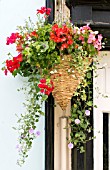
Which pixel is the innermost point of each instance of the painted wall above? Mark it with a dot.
(12, 14)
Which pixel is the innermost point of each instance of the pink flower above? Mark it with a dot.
(77, 121)
(81, 38)
(70, 145)
(87, 112)
(91, 38)
(12, 38)
(97, 44)
(38, 133)
(19, 148)
(86, 27)
(100, 37)
(74, 31)
(31, 130)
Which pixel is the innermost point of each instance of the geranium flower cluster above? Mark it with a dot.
(44, 10)
(45, 87)
(86, 35)
(62, 35)
(13, 64)
(12, 39)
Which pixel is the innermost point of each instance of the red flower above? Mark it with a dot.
(19, 48)
(34, 34)
(45, 88)
(42, 90)
(42, 86)
(43, 80)
(14, 64)
(55, 27)
(47, 92)
(61, 35)
(48, 11)
(44, 10)
(64, 46)
(12, 38)
(20, 57)
(70, 42)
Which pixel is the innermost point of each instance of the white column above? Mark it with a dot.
(63, 156)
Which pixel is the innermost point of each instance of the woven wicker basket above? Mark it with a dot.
(66, 80)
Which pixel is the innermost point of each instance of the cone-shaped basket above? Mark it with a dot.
(66, 80)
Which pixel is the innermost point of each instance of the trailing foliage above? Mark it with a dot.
(81, 113)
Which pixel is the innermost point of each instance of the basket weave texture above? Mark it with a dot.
(66, 80)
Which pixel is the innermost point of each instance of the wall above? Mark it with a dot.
(13, 13)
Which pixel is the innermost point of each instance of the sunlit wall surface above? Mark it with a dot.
(12, 14)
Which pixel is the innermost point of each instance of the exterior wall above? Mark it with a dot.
(101, 89)
(12, 14)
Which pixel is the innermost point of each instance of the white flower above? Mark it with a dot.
(96, 32)
(87, 112)
(55, 71)
(51, 72)
(69, 70)
(77, 121)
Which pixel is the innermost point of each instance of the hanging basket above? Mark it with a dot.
(66, 80)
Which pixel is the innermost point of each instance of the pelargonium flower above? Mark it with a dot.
(100, 37)
(44, 87)
(19, 48)
(13, 64)
(91, 38)
(44, 10)
(43, 81)
(85, 27)
(34, 34)
(12, 39)
(48, 11)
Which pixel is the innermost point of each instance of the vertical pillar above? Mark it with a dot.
(62, 154)
(63, 143)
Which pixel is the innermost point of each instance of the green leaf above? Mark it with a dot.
(37, 89)
(95, 106)
(77, 135)
(44, 97)
(89, 103)
(89, 75)
(83, 97)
